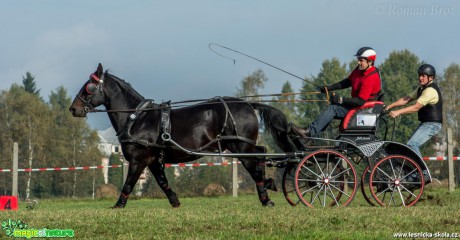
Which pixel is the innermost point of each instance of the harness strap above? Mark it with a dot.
(227, 113)
(124, 134)
(165, 117)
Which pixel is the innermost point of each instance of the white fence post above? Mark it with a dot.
(450, 160)
(14, 191)
(235, 177)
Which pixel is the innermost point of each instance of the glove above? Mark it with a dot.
(336, 99)
(322, 89)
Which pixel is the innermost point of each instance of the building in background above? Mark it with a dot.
(108, 144)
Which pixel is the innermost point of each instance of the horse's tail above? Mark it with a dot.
(276, 124)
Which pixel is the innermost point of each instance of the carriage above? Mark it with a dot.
(324, 175)
(393, 175)
(318, 172)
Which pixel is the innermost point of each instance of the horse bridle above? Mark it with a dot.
(92, 88)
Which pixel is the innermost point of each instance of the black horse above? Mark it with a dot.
(213, 125)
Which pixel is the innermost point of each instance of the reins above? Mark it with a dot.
(203, 102)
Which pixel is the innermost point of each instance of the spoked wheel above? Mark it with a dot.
(288, 184)
(325, 178)
(364, 188)
(396, 181)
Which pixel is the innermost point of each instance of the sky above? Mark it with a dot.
(161, 47)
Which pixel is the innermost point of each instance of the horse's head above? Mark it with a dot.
(91, 94)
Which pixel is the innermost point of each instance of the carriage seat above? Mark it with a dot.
(362, 119)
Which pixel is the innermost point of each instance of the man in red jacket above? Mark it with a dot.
(365, 85)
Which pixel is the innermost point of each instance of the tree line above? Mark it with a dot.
(49, 136)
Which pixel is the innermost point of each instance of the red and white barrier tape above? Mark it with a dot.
(439, 158)
(167, 165)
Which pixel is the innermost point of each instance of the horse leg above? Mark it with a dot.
(269, 182)
(158, 170)
(256, 169)
(134, 172)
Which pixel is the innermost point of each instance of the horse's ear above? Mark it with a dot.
(99, 70)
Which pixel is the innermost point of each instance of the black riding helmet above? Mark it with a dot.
(427, 69)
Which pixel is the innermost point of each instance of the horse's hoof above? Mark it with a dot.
(175, 205)
(269, 204)
(117, 207)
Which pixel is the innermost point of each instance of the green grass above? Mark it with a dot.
(240, 218)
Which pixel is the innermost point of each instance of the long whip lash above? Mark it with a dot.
(246, 55)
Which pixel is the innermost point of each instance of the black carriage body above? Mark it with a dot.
(358, 131)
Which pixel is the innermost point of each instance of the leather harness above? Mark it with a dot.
(125, 135)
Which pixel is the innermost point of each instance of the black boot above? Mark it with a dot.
(303, 133)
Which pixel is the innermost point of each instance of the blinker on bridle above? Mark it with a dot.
(92, 88)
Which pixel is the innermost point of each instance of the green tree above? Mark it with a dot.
(251, 84)
(29, 84)
(450, 89)
(48, 136)
(27, 120)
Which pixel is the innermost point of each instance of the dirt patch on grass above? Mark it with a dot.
(214, 189)
(106, 191)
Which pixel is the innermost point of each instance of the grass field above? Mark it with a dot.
(240, 218)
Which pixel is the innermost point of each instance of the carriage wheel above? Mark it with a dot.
(288, 185)
(364, 180)
(325, 178)
(396, 181)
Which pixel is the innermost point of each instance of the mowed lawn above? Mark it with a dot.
(240, 218)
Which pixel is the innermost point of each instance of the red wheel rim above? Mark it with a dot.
(396, 180)
(323, 178)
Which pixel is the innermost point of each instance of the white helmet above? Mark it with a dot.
(367, 52)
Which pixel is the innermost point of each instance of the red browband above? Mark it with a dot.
(95, 78)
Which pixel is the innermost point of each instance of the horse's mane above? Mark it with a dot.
(124, 85)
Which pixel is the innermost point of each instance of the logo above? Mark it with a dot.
(19, 229)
